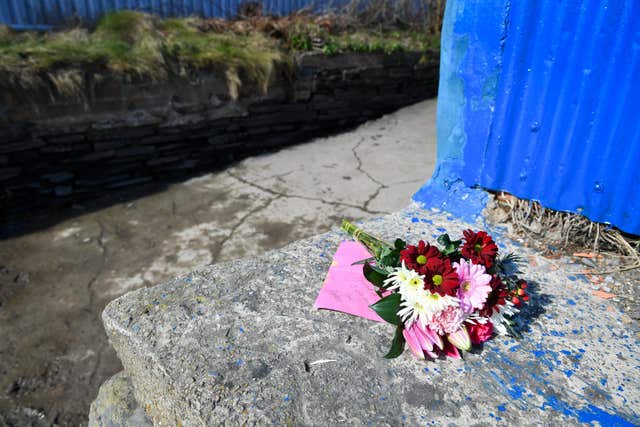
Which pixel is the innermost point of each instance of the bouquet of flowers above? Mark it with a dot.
(442, 299)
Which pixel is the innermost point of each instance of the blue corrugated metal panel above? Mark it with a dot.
(542, 99)
(24, 14)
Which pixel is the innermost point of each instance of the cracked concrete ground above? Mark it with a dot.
(54, 353)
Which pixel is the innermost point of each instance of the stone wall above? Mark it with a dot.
(117, 133)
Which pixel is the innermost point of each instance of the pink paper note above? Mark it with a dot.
(345, 289)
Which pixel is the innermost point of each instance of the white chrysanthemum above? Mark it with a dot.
(401, 276)
(499, 319)
(417, 303)
(475, 319)
(410, 311)
(423, 305)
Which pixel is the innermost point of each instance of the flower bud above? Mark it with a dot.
(460, 339)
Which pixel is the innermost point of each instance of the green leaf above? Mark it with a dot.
(363, 261)
(379, 270)
(374, 275)
(450, 247)
(444, 240)
(397, 345)
(387, 308)
(390, 256)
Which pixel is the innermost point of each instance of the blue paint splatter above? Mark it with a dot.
(287, 398)
(239, 362)
(414, 219)
(588, 414)
(571, 302)
(516, 391)
(501, 408)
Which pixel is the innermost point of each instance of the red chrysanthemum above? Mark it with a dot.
(479, 248)
(416, 257)
(496, 297)
(440, 277)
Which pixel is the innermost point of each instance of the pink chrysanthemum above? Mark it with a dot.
(474, 285)
(447, 321)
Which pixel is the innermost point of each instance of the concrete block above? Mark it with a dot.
(240, 343)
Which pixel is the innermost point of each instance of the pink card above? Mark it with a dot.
(345, 289)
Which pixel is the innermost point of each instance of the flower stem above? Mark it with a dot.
(374, 244)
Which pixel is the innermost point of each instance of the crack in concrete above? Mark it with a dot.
(410, 181)
(243, 219)
(377, 192)
(359, 168)
(296, 196)
(373, 196)
(282, 175)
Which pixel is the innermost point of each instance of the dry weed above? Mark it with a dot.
(566, 229)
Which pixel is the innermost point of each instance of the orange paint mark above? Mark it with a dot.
(587, 255)
(604, 295)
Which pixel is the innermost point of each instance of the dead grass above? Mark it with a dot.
(418, 15)
(566, 230)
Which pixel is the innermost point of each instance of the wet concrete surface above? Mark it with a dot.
(55, 282)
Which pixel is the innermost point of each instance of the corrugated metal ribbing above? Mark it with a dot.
(23, 14)
(565, 127)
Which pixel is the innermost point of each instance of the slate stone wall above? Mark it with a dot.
(60, 149)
